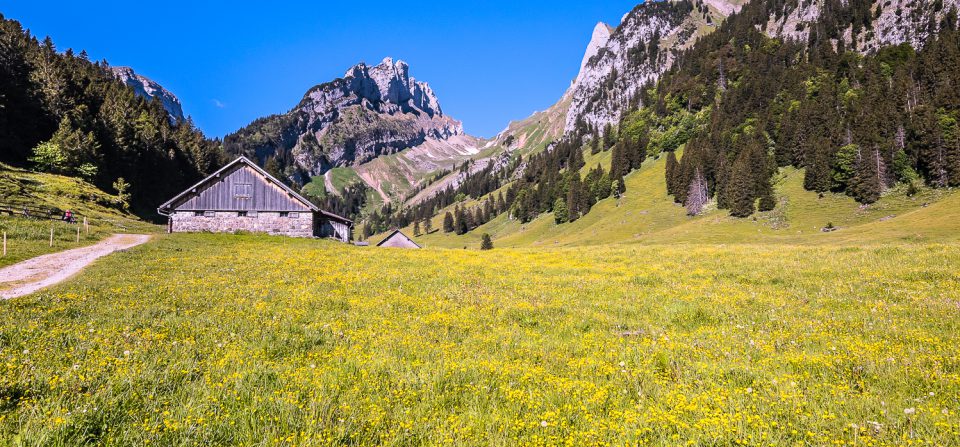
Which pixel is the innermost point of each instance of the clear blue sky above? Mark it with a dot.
(231, 62)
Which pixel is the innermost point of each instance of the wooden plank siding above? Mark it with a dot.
(241, 189)
(243, 197)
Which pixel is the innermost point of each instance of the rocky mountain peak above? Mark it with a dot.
(618, 62)
(599, 39)
(147, 88)
(371, 111)
(390, 82)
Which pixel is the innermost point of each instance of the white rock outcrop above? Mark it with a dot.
(147, 88)
(618, 62)
(893, 22)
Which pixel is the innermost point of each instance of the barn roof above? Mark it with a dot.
(398, 232)
(167, 206)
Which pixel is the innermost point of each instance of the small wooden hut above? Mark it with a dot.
(397, 239)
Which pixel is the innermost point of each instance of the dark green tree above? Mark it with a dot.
(486, 243)
(740, 190)
(448, 222)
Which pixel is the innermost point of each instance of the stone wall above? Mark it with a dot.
(230, 222)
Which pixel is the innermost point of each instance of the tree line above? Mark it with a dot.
(62, 113)
(857, 124)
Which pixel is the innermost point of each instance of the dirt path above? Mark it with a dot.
(34, 274)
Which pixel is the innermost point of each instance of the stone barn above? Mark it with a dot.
(398, 240)
(243, 197)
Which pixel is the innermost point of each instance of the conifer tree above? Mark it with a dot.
(486, 243)
(560, 212)
(740, 190)
(866, 185)
(427, 225)
(416, 228)
(573, 197)
(672, 172)
(818, 174)
(460, 223)
(608, 136)
(767, 200)
(448, 223)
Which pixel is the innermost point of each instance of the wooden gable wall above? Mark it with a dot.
(240, 189)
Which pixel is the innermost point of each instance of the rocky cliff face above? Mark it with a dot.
(147, 88)
(882, 23)
(618, 63)
(371, 111)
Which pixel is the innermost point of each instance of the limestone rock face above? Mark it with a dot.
(893, 22)
(598, 41)
(645, 44)
(149, 89)
(618, 62)
(371, 111)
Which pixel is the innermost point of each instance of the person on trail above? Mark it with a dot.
(68, 216)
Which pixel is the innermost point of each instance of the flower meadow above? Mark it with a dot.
(253, 340)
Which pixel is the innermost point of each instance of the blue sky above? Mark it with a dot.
(231, 62)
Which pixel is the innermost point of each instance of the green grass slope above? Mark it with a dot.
(647, 215)
(27, 238)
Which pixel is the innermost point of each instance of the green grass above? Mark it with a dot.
(647, 215)
(27, 238)
(253, 340)
(343, 177)
(315, 188)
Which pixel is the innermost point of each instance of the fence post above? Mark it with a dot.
(4, 243)
(86, 227)
(51, 235)
(78, 234)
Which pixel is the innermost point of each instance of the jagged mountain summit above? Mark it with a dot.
(148, 88)
(618, 62)
(370, 112)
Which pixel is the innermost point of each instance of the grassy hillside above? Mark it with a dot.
(252, 340)
(646, 214)
(27, 238)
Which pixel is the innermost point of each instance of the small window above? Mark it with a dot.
(294, 215)
(284, 214)
(198, 214)
(209, 214)
(241, 214)
(242, 190)
(251, 214)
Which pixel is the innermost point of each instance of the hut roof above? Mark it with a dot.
(396, 233)
(167, 206)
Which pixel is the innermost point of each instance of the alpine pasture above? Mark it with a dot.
(255, 340)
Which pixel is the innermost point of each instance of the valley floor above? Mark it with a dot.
(242, 340)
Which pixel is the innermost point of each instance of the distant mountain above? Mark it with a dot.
(369, 112)
(147, 88)
(351, 122)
